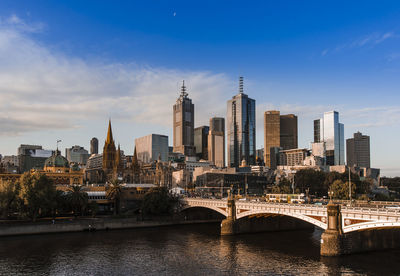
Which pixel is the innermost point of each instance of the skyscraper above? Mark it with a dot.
(183, 114)
(94, 146)
(331, 132)
(216, 142)
(358, 151)
(272, 130)
(280, 131)
(288, 135)
(201, 141)
(241, 128)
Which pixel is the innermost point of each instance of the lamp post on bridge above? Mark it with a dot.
(330, 193)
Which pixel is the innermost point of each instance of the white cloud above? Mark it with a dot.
(15, 22)
(370, 40)
(42, 89)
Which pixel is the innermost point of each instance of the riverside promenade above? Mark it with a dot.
(13, 228)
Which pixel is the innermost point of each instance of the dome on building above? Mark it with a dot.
(57, 160)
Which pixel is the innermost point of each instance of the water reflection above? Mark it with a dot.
(183, 250)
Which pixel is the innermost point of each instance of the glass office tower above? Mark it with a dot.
(241, 129)
(331, 132)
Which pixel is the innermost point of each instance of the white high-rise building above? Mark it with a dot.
(331, 132)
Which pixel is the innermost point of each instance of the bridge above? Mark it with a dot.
(346, 229)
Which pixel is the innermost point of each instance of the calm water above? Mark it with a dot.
(183, 250)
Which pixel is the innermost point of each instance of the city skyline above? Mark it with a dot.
(69, 93)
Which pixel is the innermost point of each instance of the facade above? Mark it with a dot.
(158, 173)
(10, 159)
(32, 157)
(201, 142)
(152, 147)
(331, 132)
(280, 131)
(216, 142)
(358, 151)
(183, 119)
(293, 157)
(58, 169)
(260, 154)
(77, 154)
(94, 169)
(94, 146)
(241, 129)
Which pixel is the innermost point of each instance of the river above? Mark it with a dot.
(184, 250)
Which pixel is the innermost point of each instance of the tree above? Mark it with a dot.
(114, 193)
(93, 208)
(340, 189)
(284, 187)
(158, 201)
(78, 199)
(311, 179)
(37, 193)
(8, 196)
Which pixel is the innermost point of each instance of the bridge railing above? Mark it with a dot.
(345, 208)
(378, 211)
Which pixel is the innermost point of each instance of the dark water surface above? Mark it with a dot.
(184, 250)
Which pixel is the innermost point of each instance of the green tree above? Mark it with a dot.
(114, 193)
(60, 204)
(78, 199)
(311, 179)
(158, 201)
(93, 208)
(364, 187)
(8, 196)
(332, 177)
(283, 187)
(340, 189)
(37, 193)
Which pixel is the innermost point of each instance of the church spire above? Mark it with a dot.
(134, 159)
(109, 139)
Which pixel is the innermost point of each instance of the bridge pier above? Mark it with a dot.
(229, 225)
(332, 238)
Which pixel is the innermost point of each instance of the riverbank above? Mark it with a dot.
(87, 224)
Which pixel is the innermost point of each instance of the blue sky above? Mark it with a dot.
(67, 66)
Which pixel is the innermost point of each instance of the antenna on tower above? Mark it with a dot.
(240, 85)
(184, 94)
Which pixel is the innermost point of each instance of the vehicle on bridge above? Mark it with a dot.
(286, 198)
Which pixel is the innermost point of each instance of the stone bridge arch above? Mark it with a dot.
(316, 221)
(215, 205)
(216, 209)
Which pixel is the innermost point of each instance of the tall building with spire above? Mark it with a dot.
(241, 129)
(135, 168)
(183, 113)
(109, 153)
(119, 165)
